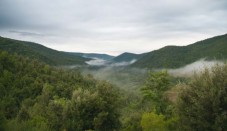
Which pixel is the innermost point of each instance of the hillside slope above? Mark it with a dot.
(126, 57)
(40, 52)
(93, 55)
(177, 56)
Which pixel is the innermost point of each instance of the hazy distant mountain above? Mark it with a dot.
(127, 57)
(40, 52)
(177, 56)
(94, 55)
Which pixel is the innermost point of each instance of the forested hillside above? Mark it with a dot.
(177, 56)
(35, 96)
(93, 55)
(127, 57)
(42, 53)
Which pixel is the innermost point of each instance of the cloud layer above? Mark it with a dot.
(112, 26)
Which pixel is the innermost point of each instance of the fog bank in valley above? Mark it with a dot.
(97, 62)
(101, 62)
(125, 77)
(117, 73)
(189, 70)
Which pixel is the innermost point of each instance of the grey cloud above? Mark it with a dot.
(23, 33)
(83, 22)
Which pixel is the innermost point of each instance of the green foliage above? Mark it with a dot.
(2, 121)
(155, 86)
(203, 103)
(30, 125)
(39, 52)
(96, 110)
(93, 55)
(131, 111)
(162, 117)
(153, 122)
(35, 97)
(132, 121)
(126, 57)
(175, 56)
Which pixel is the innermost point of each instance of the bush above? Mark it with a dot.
(202, 104)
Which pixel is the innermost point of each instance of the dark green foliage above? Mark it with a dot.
(176, 56)
(203, 102)
(2, 121)
(23, 114)
(96, 109)
(39, 52)
(132, 122)
(35, 96)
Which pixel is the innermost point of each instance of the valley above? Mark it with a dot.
(113, 65)
(46, 89)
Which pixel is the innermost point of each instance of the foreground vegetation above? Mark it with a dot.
(38, 97)
(35, 96)
(203, 102)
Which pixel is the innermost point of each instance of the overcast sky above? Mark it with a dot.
(112, 26)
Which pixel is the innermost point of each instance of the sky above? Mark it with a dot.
(112, 26)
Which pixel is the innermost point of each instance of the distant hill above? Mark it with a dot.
(127, 57)
(177, 56)
(93, 55)
(40, 52)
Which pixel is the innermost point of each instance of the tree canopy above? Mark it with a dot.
(203, 103)
(36, 96)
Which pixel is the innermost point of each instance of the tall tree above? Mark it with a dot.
(155, 86)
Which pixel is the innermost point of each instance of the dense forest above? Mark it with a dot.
(35, 96)
(39, 97)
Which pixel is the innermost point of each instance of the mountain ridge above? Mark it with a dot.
(40, 52)
(126, 57)
(93, 55)
(214, 48)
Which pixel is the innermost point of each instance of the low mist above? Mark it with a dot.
(101, 62)
(131, 79)
(189, 70)
(97, 62)
(117, 73)
(124, 63)
(121, 76)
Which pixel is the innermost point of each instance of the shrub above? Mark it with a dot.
(202, 104)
